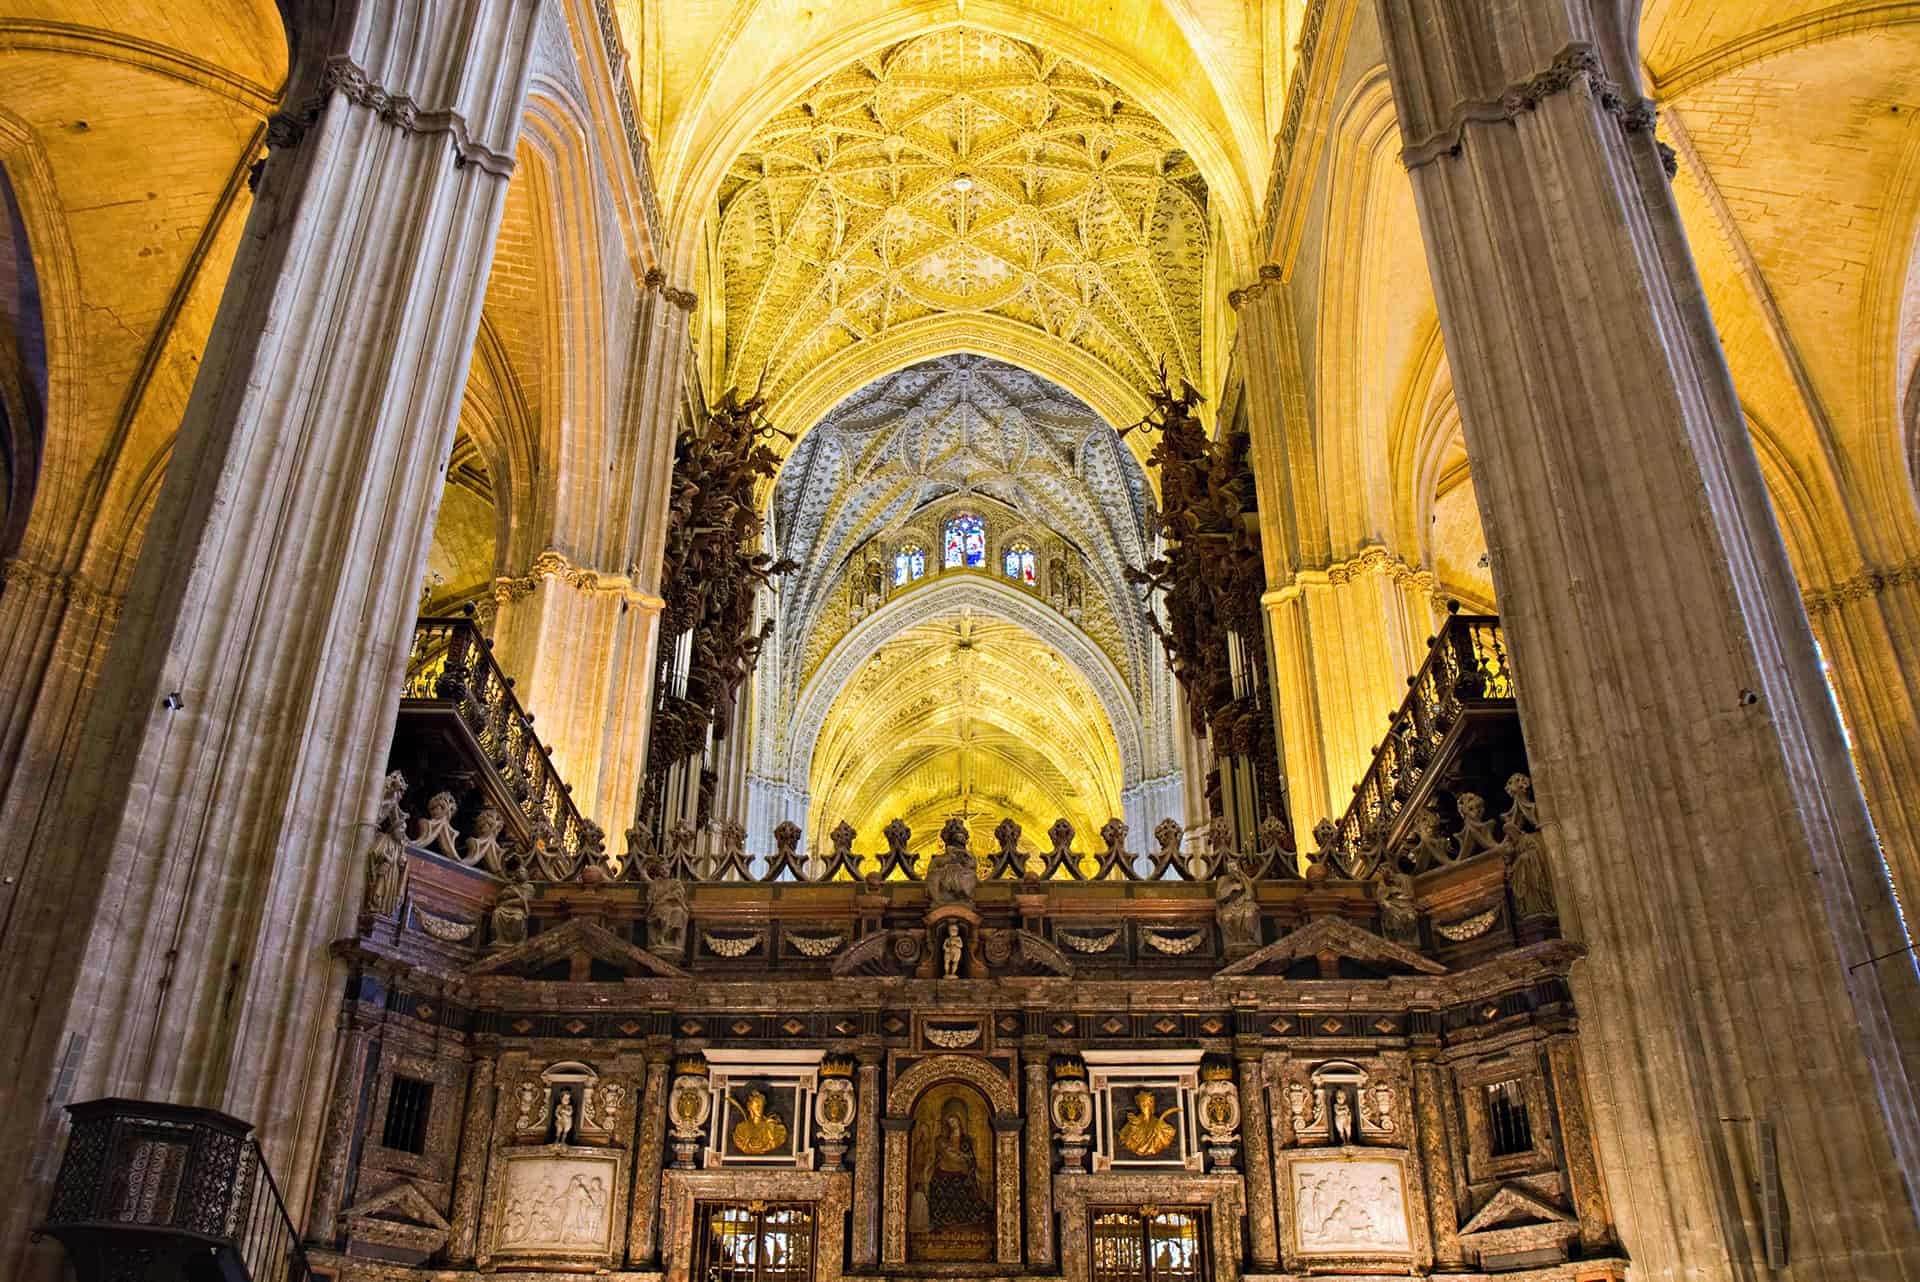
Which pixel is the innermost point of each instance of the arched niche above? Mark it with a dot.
(918, 1083)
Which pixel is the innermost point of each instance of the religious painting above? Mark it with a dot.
(1349, 1206)
(950, 1177)
(759, 1120)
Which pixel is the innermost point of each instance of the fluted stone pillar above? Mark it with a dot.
(1430, 1130)
(1709, 843)
(1263, 1241)
(649, 1148)
(866, 1166)
(1345, 639)
(470, 1172)
(1039, 1163)
(208, 846)
(1869, 628)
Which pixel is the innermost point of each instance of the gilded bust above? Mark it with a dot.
(1147, 1133)
(759, 1131)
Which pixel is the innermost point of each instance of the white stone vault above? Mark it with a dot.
(782, 755)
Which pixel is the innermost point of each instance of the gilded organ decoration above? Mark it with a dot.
(950, 1214)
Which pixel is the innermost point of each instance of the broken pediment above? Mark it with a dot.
(1513, 1207)
(1518, 1225)
(398, 1223)
(550, 950)
(1332, 937)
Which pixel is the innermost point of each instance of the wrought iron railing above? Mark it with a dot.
(1466, 674)
(452, 662)
(167, 1183)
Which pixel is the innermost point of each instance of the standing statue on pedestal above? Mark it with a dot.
(387, 860)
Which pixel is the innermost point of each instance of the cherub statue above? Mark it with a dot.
(1476, 830)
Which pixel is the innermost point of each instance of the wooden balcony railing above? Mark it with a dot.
(451, 673)
(1459, 705)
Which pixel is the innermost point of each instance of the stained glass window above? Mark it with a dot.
(966, 542)
(1020, 563)
(909, 563)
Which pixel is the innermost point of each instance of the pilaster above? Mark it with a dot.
(649, 1147)
(470, 1171)
(1039, 1163)
(183, 956)
(866, 1166)
(1666, 676)
(1262, 1239)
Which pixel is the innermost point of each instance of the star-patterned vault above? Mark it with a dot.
(959, 174)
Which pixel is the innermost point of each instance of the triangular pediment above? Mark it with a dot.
(1336, 936)
(577, 938)
(1511, 1208)
(400, 1203)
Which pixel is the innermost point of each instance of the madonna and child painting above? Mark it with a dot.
(950, 1176)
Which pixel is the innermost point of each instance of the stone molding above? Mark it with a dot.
(1373, 559)
(685, 299)
(1293, 114)
(343, 76)
(554, 564)
(1270, 276)
(1871, 581)
(1578, 60)
(71, 587)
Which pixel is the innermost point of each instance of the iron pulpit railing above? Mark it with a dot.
(154, 1191)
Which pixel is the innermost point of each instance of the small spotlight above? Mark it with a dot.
(963, 183)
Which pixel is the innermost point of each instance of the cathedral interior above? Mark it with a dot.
(1105, 640)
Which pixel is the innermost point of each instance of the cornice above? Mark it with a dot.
(343, 76)
(1869, 582)
(1373, 559)
(554, 564)
(1572, 64)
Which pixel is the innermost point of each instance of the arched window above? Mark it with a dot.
(1020, 563)
(966, 542)
(909, 563)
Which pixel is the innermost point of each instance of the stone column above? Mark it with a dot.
(649, 1145)
(476, 1146)
(866, 1166)
(355, 1054)
(207, 847)
(1345, 640)
(1039, 1163)
(1262, 1239)
(578, 629)
(1430, 1132)
(1868, 627)
(1666, 675)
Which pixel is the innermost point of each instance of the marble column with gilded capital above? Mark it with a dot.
(185, 957)
(649, 1147)
(866, 1166)
(1666, 675)
(470, 1170)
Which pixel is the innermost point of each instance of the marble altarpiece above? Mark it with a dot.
(1186, 1065)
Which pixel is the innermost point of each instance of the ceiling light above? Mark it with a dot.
(963, 183)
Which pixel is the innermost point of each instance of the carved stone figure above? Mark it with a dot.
(667, 915)
(1060, 834)
(1168, 833)
(510, 913)
(1342, 1132)
(688, 1103)
(1427, 846)
(1219, 1104)
(1114, 834)
(436, 831)
(951, 875)
(483, 847)
(387, 859)
(1527, 877)
(1273, 837)
(898, 835)
(1523, 815)
(951, 949)
(1476, 830)
(842, 838)
(1236, 911)
(786, 839)
(1399, 913)
(563, 1117)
